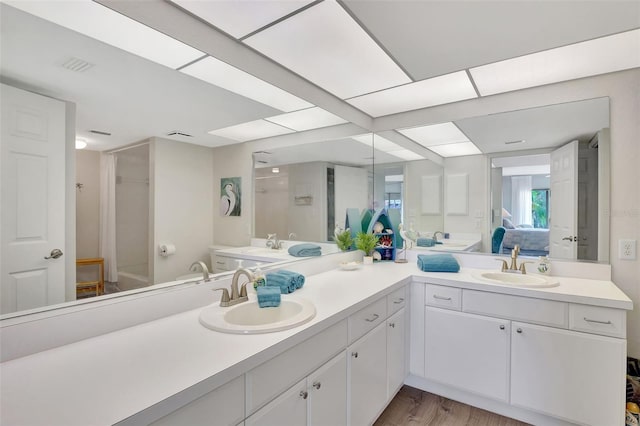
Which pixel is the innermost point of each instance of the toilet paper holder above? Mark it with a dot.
(166, 249)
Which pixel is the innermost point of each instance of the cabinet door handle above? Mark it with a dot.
(435, 296)
(519, 330)
(316, 385)
(598, 322)
(354, 354)
(304, 394)
(398, 301)
(372, 319)
(392, 324)
(502, 327)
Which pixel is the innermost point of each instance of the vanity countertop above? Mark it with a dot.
(106, 379)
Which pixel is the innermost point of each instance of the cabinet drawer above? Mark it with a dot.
(443, 297)
(273, 377)
(396, 301)
(598, 320)
(538, 311)
(224, 404)
(366, 319)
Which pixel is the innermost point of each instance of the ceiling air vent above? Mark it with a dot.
(179, 133)
(100, 132)
(77, 65)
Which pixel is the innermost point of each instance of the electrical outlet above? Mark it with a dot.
(627, 249)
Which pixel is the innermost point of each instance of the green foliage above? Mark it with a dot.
(366, 242)
(539, 208)
(344, 240)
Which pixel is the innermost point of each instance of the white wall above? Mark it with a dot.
(475, 221)
(232, 161)
(182, 180)
(308, 222)
(413, 194)
(132, 210)
(272, 202)
(349, 193)
(87, 203)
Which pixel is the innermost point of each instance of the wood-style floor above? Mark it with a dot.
(415, 407)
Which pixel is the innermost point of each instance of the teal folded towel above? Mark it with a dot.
(305, 250)
(268, 296)
(287, 281)
(295, 277)
(438, 263)
(425, 242)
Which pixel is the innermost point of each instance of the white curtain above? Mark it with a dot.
(108, 216)
(521, 200)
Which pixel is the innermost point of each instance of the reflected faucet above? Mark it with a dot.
(273, 242)
(435, 235)
(203, 268)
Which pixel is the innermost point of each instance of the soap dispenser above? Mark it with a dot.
(544, 266)
(259, 277)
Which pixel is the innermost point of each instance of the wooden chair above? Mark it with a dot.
(84, 288)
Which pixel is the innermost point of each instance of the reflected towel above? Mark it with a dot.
(425, 242)
(268, 296)
(438, 263)
(287, 281)
(305, 250)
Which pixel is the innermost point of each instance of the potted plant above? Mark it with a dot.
(367, 243)
(344, 240)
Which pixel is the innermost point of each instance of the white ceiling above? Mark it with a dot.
(134, 98)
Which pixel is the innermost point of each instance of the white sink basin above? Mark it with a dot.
(518, 280)
(249, 318)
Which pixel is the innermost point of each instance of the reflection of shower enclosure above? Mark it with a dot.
(132, 217)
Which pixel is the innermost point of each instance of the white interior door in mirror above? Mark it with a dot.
(457, 195)
(564, 202)
(33, 200)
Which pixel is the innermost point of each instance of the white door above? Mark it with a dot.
(368, 376)
(564, 202)
(396, 356)
(467, 351)
(328, 393)
(32, 188)
(578, 377)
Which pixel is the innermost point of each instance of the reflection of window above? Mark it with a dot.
(392, 200)
(540, 208)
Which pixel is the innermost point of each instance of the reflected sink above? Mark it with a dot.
(249, 318)
(518, 280)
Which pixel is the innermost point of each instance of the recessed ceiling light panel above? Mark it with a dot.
(237, 81)
(326, 46)
(240, 18)
(99, 22)
(433, 91)
(252, 130)
(406, 155)
(435, 134)
(603, 55)
(455, 149)
(307, 119)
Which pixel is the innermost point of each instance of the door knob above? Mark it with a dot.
(55, 253)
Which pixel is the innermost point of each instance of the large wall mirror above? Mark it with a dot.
(542, 180)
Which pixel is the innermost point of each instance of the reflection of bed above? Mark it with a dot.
(532, 241)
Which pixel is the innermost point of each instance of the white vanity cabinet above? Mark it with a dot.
(222, 406)
(318, 400)
(396, 352)
(468, 351)
(574, 376)
(560, 359)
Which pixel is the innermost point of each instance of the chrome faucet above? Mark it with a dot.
(203, 268)
(435, 235)
(273, 242)
(237, 296)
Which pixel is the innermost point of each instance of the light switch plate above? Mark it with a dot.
(627, 249)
